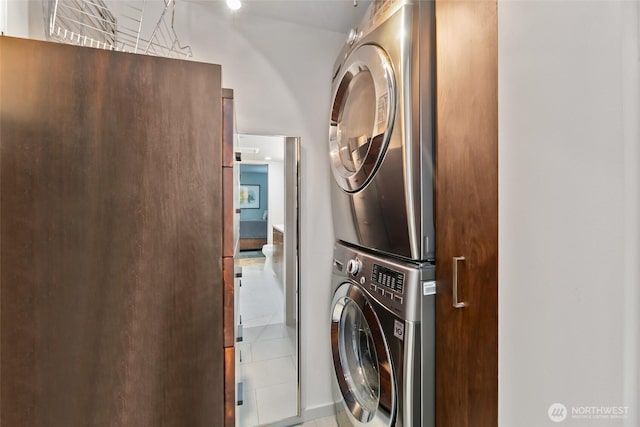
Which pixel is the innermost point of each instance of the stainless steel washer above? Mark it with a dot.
(382, 340)
(381, 131)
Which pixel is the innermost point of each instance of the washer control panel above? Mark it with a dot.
(387, 283)
(387, 277)
(393, 283)
(354, 266)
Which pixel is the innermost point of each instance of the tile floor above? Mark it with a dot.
(265, 359)
(321, 422)
(267, 367)
(261, 300)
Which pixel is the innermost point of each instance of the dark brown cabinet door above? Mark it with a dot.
(229, 242)
(467, 214)
(111, 310)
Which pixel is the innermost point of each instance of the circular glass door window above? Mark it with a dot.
(362, 115)
(361, 358)
(358, 358)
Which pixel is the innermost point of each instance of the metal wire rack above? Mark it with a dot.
(162, 41)
(91, 23)
(82, 22)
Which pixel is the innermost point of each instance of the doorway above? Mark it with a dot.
(267, 355)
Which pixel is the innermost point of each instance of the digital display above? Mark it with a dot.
(388, 278)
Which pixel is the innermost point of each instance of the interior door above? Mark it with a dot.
(111, 310)
(467, 214)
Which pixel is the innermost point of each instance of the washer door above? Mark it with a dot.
(362, 114)
(361, 359)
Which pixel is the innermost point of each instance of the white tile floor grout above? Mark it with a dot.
(321, 422)
(266, 356)
(261, 300)
(269, 376)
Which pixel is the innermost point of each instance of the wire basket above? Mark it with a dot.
(91, 23)
(162, 41)
(82, 22)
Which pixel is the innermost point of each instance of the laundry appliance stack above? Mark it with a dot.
(381, 151)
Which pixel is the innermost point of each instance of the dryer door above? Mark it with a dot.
(362, 114)
(361, 359)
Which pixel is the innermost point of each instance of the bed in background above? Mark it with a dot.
(253, 234)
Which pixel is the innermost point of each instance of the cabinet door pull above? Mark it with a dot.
(456, 304)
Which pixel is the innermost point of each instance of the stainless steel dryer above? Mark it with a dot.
(382, 131)
(382, 339)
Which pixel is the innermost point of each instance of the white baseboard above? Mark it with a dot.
(316, 412)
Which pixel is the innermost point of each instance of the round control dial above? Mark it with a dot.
(353, 36)
(354, 266)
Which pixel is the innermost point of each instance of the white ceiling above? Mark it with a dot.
(333, 15)
(255, 148)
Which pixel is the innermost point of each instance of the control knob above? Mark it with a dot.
(354, 266)
(353, 36)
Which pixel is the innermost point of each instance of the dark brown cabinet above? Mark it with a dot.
(229, 244)
(467, 214)
(111, 246)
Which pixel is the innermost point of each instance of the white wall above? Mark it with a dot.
(4, 6)
(568, 191)
(631, 117)
(276, 196)
(281, 74)
(14, 18)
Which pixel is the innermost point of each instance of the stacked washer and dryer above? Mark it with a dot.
(381, 152)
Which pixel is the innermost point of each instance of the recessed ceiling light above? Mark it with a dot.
(234, 4)
(267, 158)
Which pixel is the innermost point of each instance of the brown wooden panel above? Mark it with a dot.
(467, 213)
(228, 212)
(277, 259)
(227, 128)
(229, 387)
(255, 244)
(228, 302)
(111, 248)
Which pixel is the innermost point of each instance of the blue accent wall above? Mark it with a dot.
(255, 178)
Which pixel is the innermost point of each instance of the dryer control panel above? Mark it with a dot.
(379, 11)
